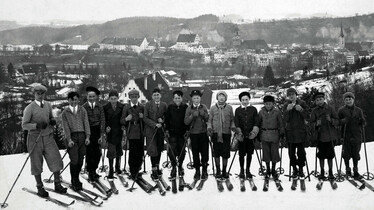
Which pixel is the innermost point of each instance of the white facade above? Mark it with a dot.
(124, 96)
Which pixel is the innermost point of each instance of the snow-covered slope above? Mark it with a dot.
(345, 197)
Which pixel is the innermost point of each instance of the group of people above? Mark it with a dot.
(117, 126)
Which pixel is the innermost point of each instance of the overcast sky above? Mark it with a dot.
(104, 10)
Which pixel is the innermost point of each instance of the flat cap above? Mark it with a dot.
(348, 94)
(318, 95)
(92, 89)
(291, 90)
(39, 88)
(245, 93)
(133, 92)
(196, 93)
(269, 98)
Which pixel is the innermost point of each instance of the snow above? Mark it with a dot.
(345, 197)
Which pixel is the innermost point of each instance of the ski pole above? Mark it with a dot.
(190, 164)
(336, 160)
(261, 171)
(232, 162)
(340, 177)
(4, 204)
(307, 167)
(289, 169)
(368, 175)
(126, 148)
(315, 172)
(212, 152)
(49, 180)
(280, 170)
(103, 167)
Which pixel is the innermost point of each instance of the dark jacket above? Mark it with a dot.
(327, 131)
(246, 119)
(352, 119)
(113, 120)
(296, 121)
(150, 121)
(134, 127)
(175, 119)
(271, 124)
(197, 124)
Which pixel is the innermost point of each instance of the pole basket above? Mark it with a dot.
(190, 165)
(280, 170)
(166, 164)
(368, 176)
(262, 171)
(339, 177)
(4, 205)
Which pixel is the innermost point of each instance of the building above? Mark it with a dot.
(254, 45)
(124, 44)
(341, 38)
(144, 85)
(186, 40)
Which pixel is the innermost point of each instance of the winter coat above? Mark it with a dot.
(34, 114)
(175, 119)
(354, 120)
(246, 119)
(96, 116)
(197, 124)
(271, 124)
(228, 114)
(296, 128)
(150, 121)
(113, 120)
(134, 127)
(327, 131)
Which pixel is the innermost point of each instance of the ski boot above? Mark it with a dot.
(204, 174)
(59, 188)
(154, 174)
(348, 172)
(331, 175)
(321, 176)
(218, 174)
(42, 192)
(197, 174)
(357, 176)
(248, 174)
(180, 170)
(241, 174)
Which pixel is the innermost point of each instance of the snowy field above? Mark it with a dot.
(345, 197)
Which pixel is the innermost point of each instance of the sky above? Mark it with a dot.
(33, 11)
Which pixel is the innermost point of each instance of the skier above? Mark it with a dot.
(271, 130)
(247, 122)
(325, 120)
(352, 119)
(132, 119)
(154, 118)
(113, 113)
(296, 114)
(175, 131)
(220, 125)
(96, 118)
(77, 136)
(39, 121)
(196, 118)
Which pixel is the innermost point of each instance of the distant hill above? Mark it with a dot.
(213, 31)
(6, 25)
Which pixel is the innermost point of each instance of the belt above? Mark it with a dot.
(269, 129)
(134, 123)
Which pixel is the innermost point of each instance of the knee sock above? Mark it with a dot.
(241, 162)
(249, 160)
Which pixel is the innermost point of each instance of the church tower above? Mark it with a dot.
(236, 41)
(341, 38)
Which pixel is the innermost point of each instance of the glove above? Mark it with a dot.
(195, 114)
(167, 135)
(160, 120)
(42, 125)
(210, 132)
(158, 125)
(186, 135)
(252, 135)
(240, 137)
(129, 117)
(52, 122)
(70, 143)
(108, 129)
(189, 143)
(233, 129)
(298, 108)
(289, 107)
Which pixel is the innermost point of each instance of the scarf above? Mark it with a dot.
(221, 121)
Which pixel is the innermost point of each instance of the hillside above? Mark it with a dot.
(7, 25)
(305, 31)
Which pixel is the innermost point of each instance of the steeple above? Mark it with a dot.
(341, 30)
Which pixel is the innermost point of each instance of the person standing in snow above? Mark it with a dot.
(296, 116)
(353, 121)
(96, 118)
(271, 131)
(325, 119)
(176, 130)
(77, 136)
(38, 120)
(196, 118)
(220, 124)
(246, 122)
(113, 113)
